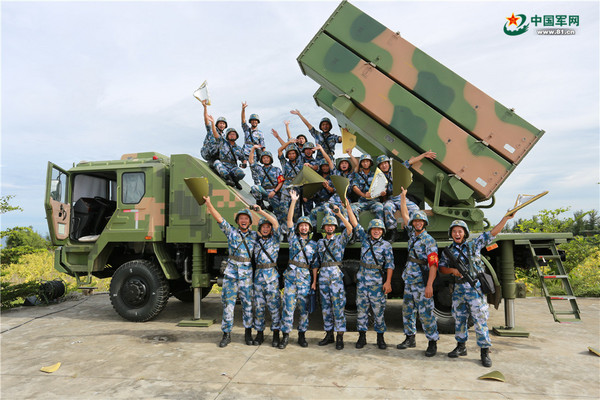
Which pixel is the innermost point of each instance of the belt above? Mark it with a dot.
(265, 266)
(331, 264)
(370, 266)
(417, 261)
(299, 264)
(240, 259)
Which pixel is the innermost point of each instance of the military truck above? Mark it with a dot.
(135, 220)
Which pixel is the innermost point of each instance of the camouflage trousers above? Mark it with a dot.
(210, 149)
(370, 296)
(372, 205)
(333, 299)
(231, 287)
(465, 301)
(295, 293)
(415, 300)
(266, 295)
(260, 193)
(224, 169)
(391, 206)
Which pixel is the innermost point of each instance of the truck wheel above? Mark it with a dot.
(139, 290)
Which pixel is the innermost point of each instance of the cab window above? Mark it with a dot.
(134, 187)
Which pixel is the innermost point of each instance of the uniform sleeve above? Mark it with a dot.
(388, 257)
(360, 232)
(245, 127)
(225, 227)
(313, 132)
(209, 129)
(443, 260)
(406, 164)
(481, 241)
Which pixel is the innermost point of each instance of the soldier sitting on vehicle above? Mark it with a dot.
(466, 299)
(252, 135)
(326, 197)
(269, 181)
(229, 154)
(325, 138)
(210, 147)
(361, 184)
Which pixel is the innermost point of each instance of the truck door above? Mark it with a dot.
(56, 202)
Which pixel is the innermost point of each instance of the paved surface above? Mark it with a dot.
(105, 357)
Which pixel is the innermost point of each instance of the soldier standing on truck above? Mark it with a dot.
(419, 274)
(210, 147)
(330, 251)
(468, 300)
(266, 277)
(269, 181)
(376, 264)
(325, 138)
(297, 275)
(238, 273)
(291, 167)
(229, 154)
(252, 135)
(360, 185)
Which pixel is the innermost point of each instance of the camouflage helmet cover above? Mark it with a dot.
(232, 130)
(263, 221)
(266, 153)
(304, 220)
(292, 147)
(243, 211)
(329, 220)
(460, 223)
(420, 214)
(254, 116)
(381, 159)
(308, 145)
(325, 119)
(222, 119)
(376, 223)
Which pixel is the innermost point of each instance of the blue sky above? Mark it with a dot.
(94, 80)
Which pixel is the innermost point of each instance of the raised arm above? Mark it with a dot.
(296, 112)
(287, 129)
(244, 105)
(268, 216)
(403, 207)
(283, 146)
(251, 155)
(351, 215)
(338, 213)
(274, 132)
(290, 217)
(212, 211)
(498, 228)
(205, 105)
(428, 154)
(210, 119)
(326, 157)
(353, 160)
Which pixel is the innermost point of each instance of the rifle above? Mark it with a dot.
(460, 265)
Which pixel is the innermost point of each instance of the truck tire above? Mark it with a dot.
(139, 290)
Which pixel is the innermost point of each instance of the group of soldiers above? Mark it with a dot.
(316, 257)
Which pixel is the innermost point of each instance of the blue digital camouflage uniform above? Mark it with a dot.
(237, 276)
(465, 299)
(331, 283)
(266, 281)
(308, 205)
(266, 178)
(324, 201)
(420, 246)
(327, 141)
(363, 182)
(227, 161)
(297, 281)
(252, 137)
(370, 278)
(290, 170)
(210, 147)
(393, 203)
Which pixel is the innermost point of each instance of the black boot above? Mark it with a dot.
(408, 342)
(248, 337)
(327, 339)
(362, 339)
(302, 339)
(339, 341)
(235, 180)
(486, 361)
(225, 340)
(381, 342)
(261, 204)
(459, 350)
(284, 340)
(259, 339)
(275, 338)
(431, 349)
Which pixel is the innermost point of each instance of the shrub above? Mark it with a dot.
(585, 278)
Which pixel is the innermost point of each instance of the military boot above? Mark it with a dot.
(235, 180)
(302, 339)
(248, 337)
(327, 339)
(486, 361)
(381, 342)
(408, 342)
(431, 349)
(225, 340)
(339, 341)
(261, 204)
(259, 339)
(284, 340)
(362, 339)
(275, 338)
(459, 350)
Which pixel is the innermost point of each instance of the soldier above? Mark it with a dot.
(270, 181)
(376, 261)
(307, 156)
(252, 135)
(297, 275)
(391, 203)
(418, 287)
(330, 252)
(326, 197)
(346, 167)
(210, 147)
(238, 273)
(266, 277)
(325, 138)
(291, 167)
(467, 300)
(229, 153)
(361, 184)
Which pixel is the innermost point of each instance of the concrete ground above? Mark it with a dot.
(106, 357)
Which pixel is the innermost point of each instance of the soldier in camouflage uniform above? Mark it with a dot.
(297, 275)
(266, 277)
(325, 138)
(291, 165)
(418, 290)
(326, 197)
(308, 160)
(252, 135)
(330, 252)
(270, 181)
(210, 147)
(238, 273)
(229, 154)
(376, 262)
(360, 185)
(468, 300)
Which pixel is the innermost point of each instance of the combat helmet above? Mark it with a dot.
(340, 160)
(325, 119)
(254, 116)
(420, 214)
(376, 223)
(322, 161)
(267, 153)
(263, 221)
(243, 211)
(232, 130)
(292, 147)
(462, 224)
(329, 220)
(365, 157)
(305, 220)
(308, 145)
(221, 119)
(381, 159)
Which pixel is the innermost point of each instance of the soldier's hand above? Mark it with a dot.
(274, 132)
(382, 194)
(314, 285)
(204, 102)
(256, 208)
(430, 154)
(456, 273)
(294, 194)
(387, 288)
(272, 194)
(243, 165)
(210, 118)
(206, 199)
(428, 291)
(403, 191)
(295, 112)
(244, 105)
(257, 146)
(286, 123)
(367, 195)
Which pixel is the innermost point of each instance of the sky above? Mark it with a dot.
(95, 80)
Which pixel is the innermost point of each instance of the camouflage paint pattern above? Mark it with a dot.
(467, 106)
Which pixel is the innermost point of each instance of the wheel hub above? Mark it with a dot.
(134, 292)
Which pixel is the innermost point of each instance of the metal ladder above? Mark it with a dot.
(545, 252)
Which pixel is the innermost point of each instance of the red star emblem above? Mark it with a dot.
(513, 20)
